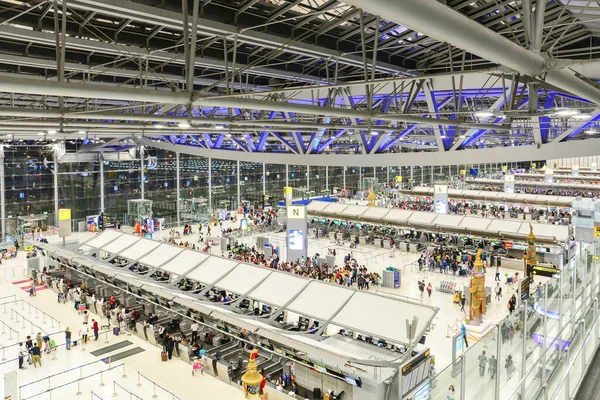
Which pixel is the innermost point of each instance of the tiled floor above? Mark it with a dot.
(177, 377)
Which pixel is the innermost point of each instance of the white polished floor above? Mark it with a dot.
(175, 376)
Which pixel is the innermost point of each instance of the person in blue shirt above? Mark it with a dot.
(463, 329)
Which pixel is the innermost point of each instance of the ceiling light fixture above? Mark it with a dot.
(374, 133)
(228, 135)
(219, 127)
(566, 112)
(184, 125)
(51, 132)
(582, 116)
(484, 114)
(41, 133)
(590, 131)
(158, 126)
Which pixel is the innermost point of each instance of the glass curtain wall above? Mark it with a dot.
(122, 182)
(275, 181)
(317, 179)
(251, 183)
(160, 176)
(224, 184)
(79, 188)
(29, 184)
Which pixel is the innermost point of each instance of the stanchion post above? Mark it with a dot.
(4, 355)
(114, 389)
(124, 374)
(101, 378)
(154, 396)
(54, 351)
(139, 384)
(106, 337)
(3, 328)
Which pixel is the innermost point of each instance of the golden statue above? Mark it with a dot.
(530, 256)
(371, 197)
(252, 378)
(477, 291)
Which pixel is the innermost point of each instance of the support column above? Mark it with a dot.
(360, 178)
(143, 178)
(344, 175)
(101, 182)
(308, 177)
(327, 178)
(411, 172)
(239, 189)
(177, 188)
(388, 174)
(264, 180)
(210, 183)
(287, 175)
(2, 195)
(374, 173)
(56, 187)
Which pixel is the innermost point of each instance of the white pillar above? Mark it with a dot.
(142, 185)
(344, 175)
(388, 173)
(264, 180)
(177, 189)
(327, 178)
(239, 189)
(101, 182)
(56, 187)
(287, 175)
(360, 178)
(411, 172)
(308, 177)
(209, 183)
(374, 173)
(2, 195)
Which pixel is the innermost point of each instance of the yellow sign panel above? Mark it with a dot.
(287, 190)
(296, 212)
(463, 172)
(64, 214)
(504, 168)
(398, 179)
(596, 231)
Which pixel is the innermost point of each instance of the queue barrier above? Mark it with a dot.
(131, 395)
(4, 361)
(77, 381)
(95, 396)
(30, 306)
(155, 385)
(12, 296)
(10, 331)
(16, 318)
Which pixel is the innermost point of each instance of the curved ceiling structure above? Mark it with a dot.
(312, 82)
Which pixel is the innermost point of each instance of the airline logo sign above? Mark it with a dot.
(295, 212)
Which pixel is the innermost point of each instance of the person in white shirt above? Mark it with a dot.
(195, 328)
(83, 332)
(22, 354)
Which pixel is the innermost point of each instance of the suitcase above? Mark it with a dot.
(116, 331)
(163, 356)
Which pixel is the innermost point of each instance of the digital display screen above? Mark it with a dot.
(441, 207)
(296, 239)
(353, 381)
(319, 368)
(344, 223)
(336, 222)
(244, 224)
(359, 226)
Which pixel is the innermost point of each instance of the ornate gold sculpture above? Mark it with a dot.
(530, 256)
(252, 378)
(371, 197)
(477, 291)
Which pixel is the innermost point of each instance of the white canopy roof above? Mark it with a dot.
(161, 255)
(185, 261)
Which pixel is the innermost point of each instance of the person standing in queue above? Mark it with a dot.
(170, 344)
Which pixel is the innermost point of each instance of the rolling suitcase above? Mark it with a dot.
(163, 356)
(116, 331)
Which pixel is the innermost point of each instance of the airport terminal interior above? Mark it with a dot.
(300, 199)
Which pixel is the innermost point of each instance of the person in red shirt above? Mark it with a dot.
(95, 328)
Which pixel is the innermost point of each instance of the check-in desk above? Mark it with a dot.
(362, 239)
(353, 238)
(184, 352)
(151, 335)
(142, 330)
(378, 242)
(339, 236)
(413, 248)
(403, 246)
(332, 235)
(387, 244)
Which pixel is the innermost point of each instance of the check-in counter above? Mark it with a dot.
(339, 236)
(184, 352)
(413, 248)
(403, 247)
(223, 371)
(362, 239)
(142, 330)
(151, 334)
(353, 238)
(387, 244)
(378, 242)
(209, 364)
(332, 235)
